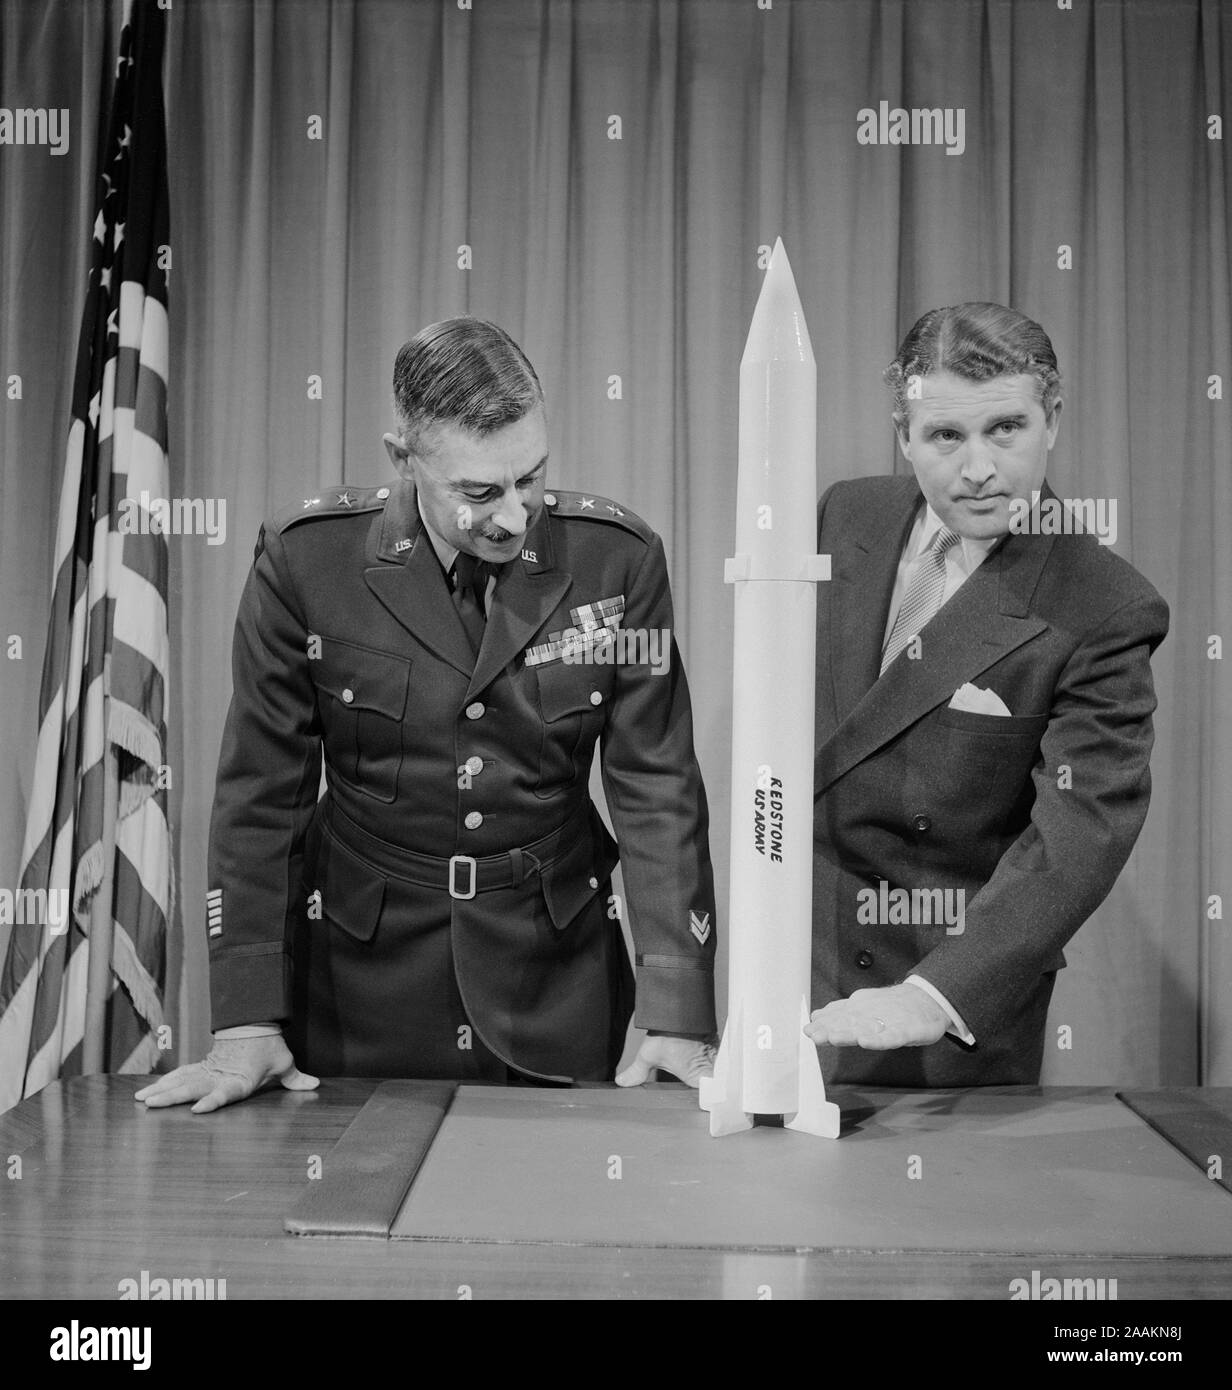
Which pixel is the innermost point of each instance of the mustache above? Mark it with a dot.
(497, 535)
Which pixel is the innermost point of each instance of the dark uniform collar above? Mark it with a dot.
(399, 528)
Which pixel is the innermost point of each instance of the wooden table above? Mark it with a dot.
(109, 1189)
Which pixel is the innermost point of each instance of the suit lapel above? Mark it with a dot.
(988, 617)
(406, 576)
(863, 588)
(527, 593)
(408, 581)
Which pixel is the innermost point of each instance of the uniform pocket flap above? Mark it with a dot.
(363, 679)
(352, 893)
(571, 881)
(568, 689)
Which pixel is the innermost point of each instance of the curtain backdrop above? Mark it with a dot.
(614, 169)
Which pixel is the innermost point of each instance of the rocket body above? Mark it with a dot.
(766, 1065)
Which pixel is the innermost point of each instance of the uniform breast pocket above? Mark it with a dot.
(362, 698)
(573, 704)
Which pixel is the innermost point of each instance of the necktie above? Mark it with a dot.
(470, 582)
(923, 596)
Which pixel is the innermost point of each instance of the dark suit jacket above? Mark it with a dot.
(927, 797)
(347, 642)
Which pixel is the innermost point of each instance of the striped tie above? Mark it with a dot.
(923, 596)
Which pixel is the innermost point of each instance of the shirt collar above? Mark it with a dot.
(974, 552)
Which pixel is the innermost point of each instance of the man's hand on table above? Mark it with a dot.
(234, 1069)
(880, 1019)
(686, 1058)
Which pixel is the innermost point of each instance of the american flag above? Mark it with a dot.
(82, 983)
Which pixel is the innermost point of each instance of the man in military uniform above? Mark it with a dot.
(450, 643)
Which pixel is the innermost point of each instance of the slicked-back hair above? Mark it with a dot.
(976, 341)
(463, 372)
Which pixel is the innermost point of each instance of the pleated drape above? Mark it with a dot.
(600, 179)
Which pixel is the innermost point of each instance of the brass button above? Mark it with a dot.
(864, 959)
(473, 820)
(549, 498)
(382, 493)
(474, 766)
(347, 695)
(594, 882)
(596, 697)
(475, 711)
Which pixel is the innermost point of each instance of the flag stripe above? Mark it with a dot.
(151, 407)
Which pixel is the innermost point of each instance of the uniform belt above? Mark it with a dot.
(461, 875)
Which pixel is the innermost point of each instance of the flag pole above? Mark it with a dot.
(102, 915)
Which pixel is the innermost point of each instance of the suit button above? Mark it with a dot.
(474, 766)
(864, 959)
(921, 823)
(473, 820)
(596, 697)
(475, 711)
(347, 696)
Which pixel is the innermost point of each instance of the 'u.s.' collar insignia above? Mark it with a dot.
(699, 925)
(530, 555)
(404, 544)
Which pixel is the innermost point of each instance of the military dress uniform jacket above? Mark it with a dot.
(923, 796)
(445, 909)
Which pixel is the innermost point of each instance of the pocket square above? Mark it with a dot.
(977, 701)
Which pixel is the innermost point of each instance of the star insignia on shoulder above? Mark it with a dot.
(615, 510)
(312, 501)
(586, 503)
(344, 499)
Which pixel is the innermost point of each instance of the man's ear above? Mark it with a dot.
(901, 428)
(398, 453)
(1053, 421)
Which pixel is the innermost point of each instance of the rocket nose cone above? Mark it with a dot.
(778, 331)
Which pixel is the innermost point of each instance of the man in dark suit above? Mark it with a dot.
(455, 644)
(984, 702)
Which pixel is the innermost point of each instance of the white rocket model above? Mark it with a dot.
(766, 1065)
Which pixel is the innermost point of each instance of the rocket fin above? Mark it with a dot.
(815, 1114)
(721, 1093)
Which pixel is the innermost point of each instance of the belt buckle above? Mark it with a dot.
(469, 861)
